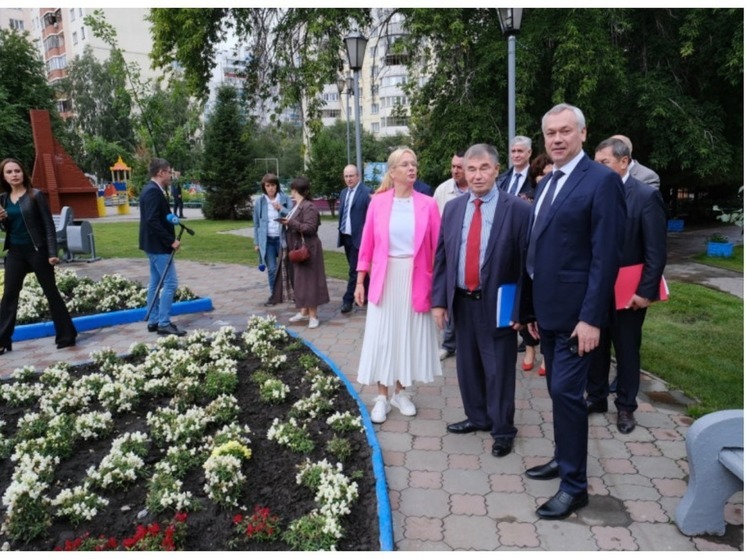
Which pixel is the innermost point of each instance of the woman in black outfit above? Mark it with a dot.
(31, 242)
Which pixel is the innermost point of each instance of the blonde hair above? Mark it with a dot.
(388, 183)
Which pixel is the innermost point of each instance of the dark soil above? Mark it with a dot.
(270, 473)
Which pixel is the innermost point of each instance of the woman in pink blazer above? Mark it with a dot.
(397, 250)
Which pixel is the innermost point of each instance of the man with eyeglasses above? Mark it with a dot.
(353, 206)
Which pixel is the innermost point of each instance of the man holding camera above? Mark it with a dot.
(158, 240)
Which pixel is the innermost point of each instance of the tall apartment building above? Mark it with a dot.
(381, 80)
(15, 18)
(61, 34)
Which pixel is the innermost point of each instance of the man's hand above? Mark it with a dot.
(588, 337)
(440, 315)
(637, 302)
(176, 244)
(533, 329)
(54, 261)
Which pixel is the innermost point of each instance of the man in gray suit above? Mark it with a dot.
(637, 170)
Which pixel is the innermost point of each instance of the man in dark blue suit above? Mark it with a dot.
(158, 240)
(517, 180)
(572, 261)
(485, 352)
(353, 206)
(645, 244)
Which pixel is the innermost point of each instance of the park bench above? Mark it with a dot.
(61, 221)
(714, 449)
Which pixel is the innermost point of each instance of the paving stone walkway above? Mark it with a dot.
(447, 491)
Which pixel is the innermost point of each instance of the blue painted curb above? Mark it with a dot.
(385, 524)
(95, 321)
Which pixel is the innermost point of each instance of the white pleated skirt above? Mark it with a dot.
(399, 343)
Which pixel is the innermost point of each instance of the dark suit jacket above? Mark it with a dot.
(505, 180)
(358, 211)
(503, 259)
(578, 249)
(423, 187)
(645, 235)
(156, 233)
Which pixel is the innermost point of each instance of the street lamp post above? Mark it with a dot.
(350, 85)
(355, 55)
(510, 23)
(341, 83)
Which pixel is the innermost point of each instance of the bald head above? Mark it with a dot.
(626, 141)
(351, 176)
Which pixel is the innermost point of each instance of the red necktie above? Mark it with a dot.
(473, 239)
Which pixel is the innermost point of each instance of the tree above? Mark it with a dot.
(23, 86)
(102, 109)
(226, 156)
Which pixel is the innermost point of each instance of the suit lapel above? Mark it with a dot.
(571, 183)
(498, 221)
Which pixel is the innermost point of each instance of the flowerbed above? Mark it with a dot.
(84, 295)
(214, 441)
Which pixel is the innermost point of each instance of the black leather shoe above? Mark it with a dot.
(550, 470)
(63, 345)
(171, 329)
(269, 303)
(346, 307)
(626, 422)
(463, 427)
(153, 327)
(601, 406)
(502, 447)
(8, 346)
(521, 347)
(562, 505)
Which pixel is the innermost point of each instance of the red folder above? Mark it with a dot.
(626, 285)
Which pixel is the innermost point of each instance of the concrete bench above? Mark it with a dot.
(61, 221)
(714, 449)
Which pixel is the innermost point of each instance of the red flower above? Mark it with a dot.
(180, 517)
(154, 528)
(237, 519)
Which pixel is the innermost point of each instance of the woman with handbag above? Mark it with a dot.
(267, 210)
(400, 235)
(31, 242)
(305, 254)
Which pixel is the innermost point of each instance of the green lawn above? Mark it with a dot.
(694, 341)
(735, 262)
(211, 243)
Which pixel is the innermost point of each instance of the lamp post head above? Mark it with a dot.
(341, 82)
(355, 50)
(350, 85)
(510, 20)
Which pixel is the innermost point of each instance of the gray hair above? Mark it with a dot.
(618, 147)
(481, 150)
(521, 141)
(579, 117)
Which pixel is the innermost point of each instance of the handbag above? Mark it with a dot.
(300, 254)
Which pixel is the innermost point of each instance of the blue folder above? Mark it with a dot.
(505, 304)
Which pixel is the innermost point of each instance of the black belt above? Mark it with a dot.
(475, 295)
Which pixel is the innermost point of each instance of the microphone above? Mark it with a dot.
(174, 220)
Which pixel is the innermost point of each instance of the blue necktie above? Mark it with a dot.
(541, 216)
(514, 186)
(345, 211)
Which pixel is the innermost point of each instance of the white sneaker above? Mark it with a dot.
(313, 323)
(445, 354)
(297, 317)
(380, 409)
(405, 405)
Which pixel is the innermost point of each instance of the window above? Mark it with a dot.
(374, 71)
(53, 42)
(391, 121)
(394, 100)
(64, 106)
(16, 24)
(82, 33)
(331, 96)
(373, 51)
(331, 113)
(375, 127)
(56, 63)
(80, 12)
(72, 14)
(75, 37)
(374, 109)
(390, 81)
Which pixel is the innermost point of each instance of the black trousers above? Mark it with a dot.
(625, 333)
(18, 263)
(179, 206)
(351, 252)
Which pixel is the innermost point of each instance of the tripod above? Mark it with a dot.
(156, 296)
